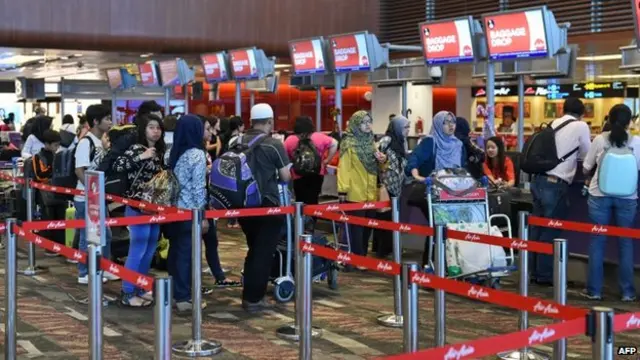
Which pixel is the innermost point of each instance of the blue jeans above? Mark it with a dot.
(179, 259)
(550, 201)
(211, 252)
(600, 210)
(82, 246)
(142, 247)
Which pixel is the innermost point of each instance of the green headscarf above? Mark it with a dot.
(362, 143)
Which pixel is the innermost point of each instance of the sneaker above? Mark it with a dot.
(227, 283)
(628, 298)
(50, 253)
(260, 306)
(84, 280)
(110, 277)
(184, 306)
(206, 290)
(206, 271)
(587, 295)
(132, 300)
(145, 295)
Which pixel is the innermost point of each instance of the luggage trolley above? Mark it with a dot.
(283, 277)
(448, 205)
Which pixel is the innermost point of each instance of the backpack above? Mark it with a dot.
(540, 153)
(163, 189)
(306, 158)
(618, 172)
(64, 167)
(231, 183)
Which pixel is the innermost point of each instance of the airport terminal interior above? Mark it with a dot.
(504, 69)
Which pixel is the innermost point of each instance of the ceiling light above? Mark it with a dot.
(35, 52)
(600, 57)
(622, 76)
(146, 55)
(282, 66)
(64, 58)
(19, 59)
(77, 55)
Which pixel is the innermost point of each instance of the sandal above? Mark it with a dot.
(131, 300)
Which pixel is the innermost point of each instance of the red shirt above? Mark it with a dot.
(507, 173)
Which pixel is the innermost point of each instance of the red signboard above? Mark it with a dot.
(516, 35)
(114, 77)
(636, 16)
(447, 42)
(169, 73)
(307, 57)
(350, 52)
(94, 207)
(148, 75)
(215, 69)
(243, 63)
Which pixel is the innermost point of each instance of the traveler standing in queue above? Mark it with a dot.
(358, 174)
(307, 187)
(498, 167)
(150, 107)
(394, 146)
(87, 152)
(613, 194)
(475, 155)
(141, 162)
(550, 189)
(233, 129)
(271, 165)
(35, 140)
(188, 161)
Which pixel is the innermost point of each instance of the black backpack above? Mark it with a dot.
(64, 167)
(306, 158)
(540, 153)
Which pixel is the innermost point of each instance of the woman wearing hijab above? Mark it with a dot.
(35, 141)
(358, 173)
(188, 161)
(394, 146)
(475, 155)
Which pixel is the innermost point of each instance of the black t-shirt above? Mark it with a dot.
(269, 157)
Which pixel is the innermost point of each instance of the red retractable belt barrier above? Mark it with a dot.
(143, 281)
(11, 178)
(271, 211)
(476, 292)
(372, 223)
(350, 206)
(518, 244)
(495, 344)
(111, 222)
(626, 322)
(584, 227)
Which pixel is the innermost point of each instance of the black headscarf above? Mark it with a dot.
(462, 129)
(395, 131)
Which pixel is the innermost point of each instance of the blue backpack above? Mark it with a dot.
(618, 172)
(231, 183)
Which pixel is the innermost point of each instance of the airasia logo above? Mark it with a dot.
(344, 258)
(539, 44)
(420, 278)
(333, 208)
(67, 191)
(599, 229)
(114, 269)
(405, 228)
(554, 223)
(161, 208)
(541, 336)
(56, 225)
(157, 219)
(633, 322)
(54, 188)
(373, 223)
(317, 213)
(38, 240)
(142, 281)
(472, 237)
(232, 213)
(457, 354)
(368, 205)
(545, 309)
(308, 248)
(477, 293)
(343, 218)
(273, 211)
(77, 255)
(125, 201)
(57, 247)
(383, 266)
(21, 233)
(519, 244)
(112, 222)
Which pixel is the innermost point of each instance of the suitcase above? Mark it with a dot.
(69, 214)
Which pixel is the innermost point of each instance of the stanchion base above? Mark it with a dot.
(191, 348)
(526, 355)
(32, 271)
(290, 332)
(392, 321)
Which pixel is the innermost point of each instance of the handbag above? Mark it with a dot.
(417, 194)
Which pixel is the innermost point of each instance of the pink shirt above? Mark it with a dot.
(321, 141)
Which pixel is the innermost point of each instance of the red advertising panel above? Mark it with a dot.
(243, 64)
(95, 207)
(447, 42)
(215, 69)
(148, 74)
(516, 35)
(350, 52)
(636, 17)
(114, 77)
(307, 57)
(169, 73)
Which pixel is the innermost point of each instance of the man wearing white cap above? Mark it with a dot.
(271, 164)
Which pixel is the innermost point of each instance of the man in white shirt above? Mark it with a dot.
(87, 151)
(550, 191)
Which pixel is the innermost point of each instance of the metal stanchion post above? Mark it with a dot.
(290, 331)
(601, 333)
(94, 253)
(10, 293)
(410, 307)
(395, 320)
(305, 307)
(439, 299)
(523, 321)
(163, 293)
(32, 269)
(560, 289)
(196, 347)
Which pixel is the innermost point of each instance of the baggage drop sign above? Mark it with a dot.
(447, 42)
(516, 35)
